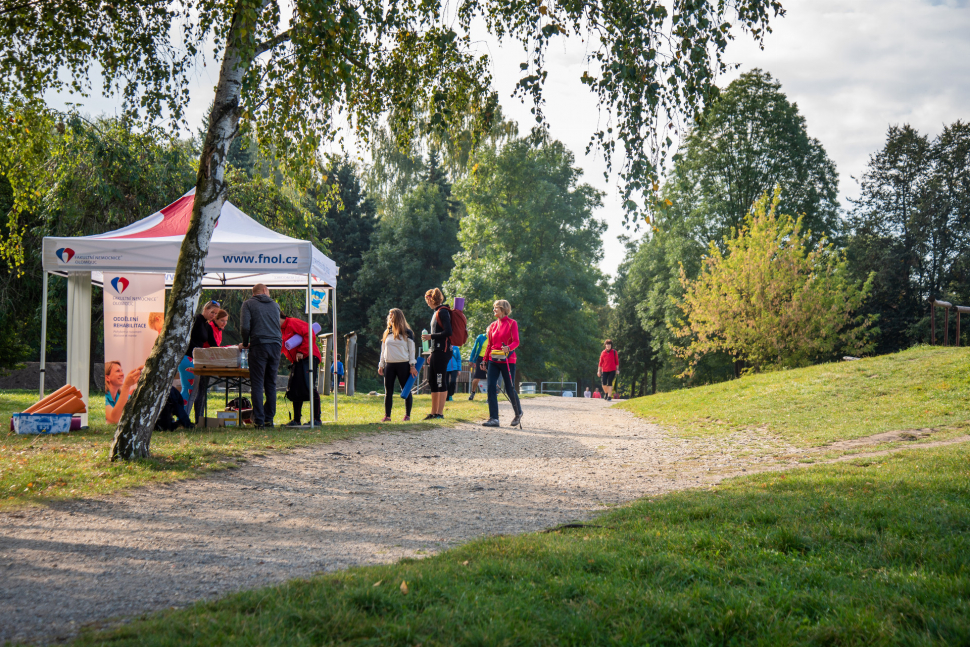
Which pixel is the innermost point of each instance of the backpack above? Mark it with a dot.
(459, 327)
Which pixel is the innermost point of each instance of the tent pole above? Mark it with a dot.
(43, 336)
(334, 378)
(311, 340)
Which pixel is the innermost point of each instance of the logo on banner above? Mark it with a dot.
(119, 283)
(65, 254)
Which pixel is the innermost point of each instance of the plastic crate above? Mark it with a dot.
(42, 423)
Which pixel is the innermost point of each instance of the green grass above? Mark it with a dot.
(872, 553)
(34, 469)
(926, 387)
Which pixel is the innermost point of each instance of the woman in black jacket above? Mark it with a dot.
(200, 335)
(440, 352)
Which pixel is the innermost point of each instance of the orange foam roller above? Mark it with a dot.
(73, 405)
(53, 397)
(50, 405)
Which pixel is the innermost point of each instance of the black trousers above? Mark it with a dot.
(399, 371)
(304, 366)
(452, 382)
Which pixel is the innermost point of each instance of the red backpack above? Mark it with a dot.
(459, 327)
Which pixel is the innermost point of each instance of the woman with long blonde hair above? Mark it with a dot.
(397, 361)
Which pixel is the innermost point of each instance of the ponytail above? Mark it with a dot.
(435, 297)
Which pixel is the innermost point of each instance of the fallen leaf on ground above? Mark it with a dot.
(378, 582)
(404, 587)
(465, 563)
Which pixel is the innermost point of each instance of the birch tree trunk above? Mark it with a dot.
(134, 433)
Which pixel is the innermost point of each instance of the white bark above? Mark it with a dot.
(133, 435)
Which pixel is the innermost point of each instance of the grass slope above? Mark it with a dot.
(34, 469)
(871, 553)
(926, 387)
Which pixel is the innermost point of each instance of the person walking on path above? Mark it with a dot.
(298, 388)
(499, 358)
(454, 366)
(609, 365)
(262, 336)
(200, 336)
(398, 356)
(440, 351)
(474, 365)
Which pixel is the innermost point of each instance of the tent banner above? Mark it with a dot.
(134, 311)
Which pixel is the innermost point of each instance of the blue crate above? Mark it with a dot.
(42, 423)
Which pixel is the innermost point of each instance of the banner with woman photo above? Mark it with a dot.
(134, 310)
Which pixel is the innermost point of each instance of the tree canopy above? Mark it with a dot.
(530, 237)
(747, 142)
(911, 227)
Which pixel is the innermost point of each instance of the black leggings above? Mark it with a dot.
(400, 371)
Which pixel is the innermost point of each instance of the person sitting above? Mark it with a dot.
(597, 395)
(587, 394)
(173, 408)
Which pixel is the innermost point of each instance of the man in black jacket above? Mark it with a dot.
(261, 335)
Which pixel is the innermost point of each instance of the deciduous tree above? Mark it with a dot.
(773, 299)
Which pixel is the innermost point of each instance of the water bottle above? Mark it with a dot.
(244, 358)
(425, 344)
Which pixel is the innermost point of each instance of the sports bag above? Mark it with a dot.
(459, 327)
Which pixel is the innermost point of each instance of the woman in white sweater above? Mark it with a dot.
(397, 360)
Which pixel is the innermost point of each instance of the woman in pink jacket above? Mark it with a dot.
(498, 358)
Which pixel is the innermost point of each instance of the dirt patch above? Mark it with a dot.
(907, 435)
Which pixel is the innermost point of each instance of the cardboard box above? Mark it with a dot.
(225, 357)
(214, 422)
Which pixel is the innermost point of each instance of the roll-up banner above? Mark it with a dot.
(134, 311)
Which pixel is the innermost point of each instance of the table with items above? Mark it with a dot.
(233, 375)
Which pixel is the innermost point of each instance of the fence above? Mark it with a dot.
(558, 388)
(934, 304)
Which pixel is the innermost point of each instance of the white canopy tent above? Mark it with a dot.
(242, 253)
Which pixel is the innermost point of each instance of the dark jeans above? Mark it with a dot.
(452, 382)
(496, 369)
(264, 364)
(399, 371)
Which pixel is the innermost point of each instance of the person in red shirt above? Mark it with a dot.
(298, 388)
(609, 365)
(218, 324)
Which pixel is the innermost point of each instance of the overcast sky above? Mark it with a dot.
(854, 67)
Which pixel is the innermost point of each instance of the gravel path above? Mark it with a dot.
(363, 501)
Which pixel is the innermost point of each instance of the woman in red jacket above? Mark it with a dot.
(609, 364)
(300, 368)
(498, 358)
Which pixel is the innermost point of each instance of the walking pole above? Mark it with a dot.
(311, 340)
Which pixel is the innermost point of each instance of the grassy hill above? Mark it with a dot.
(926, 387)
